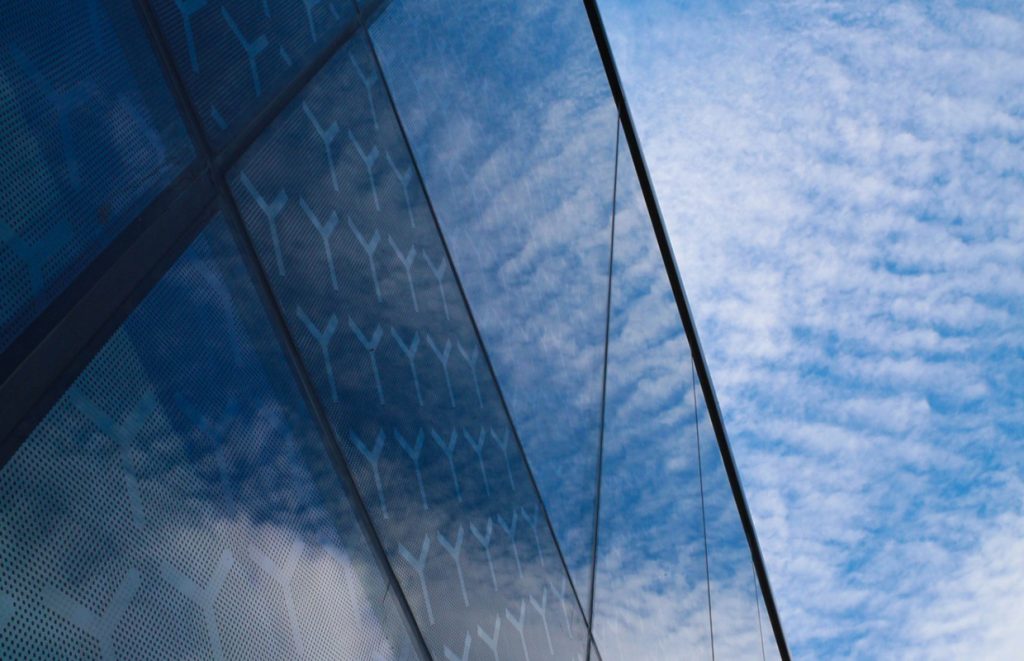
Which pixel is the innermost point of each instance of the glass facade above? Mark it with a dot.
(389, 362)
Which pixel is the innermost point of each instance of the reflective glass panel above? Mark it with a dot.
(90, 136)
(509, 114)
(235, 56)
(650, 590)
(345, 235)
(177, 501)
(768, 642)
(734, 602)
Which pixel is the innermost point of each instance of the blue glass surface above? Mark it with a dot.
(235, 56)
(734, 599)
(90, 136)
(355, 261)
(178, 502)
(510, 117)
(650, 589)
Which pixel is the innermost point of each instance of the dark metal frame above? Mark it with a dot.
(43, 361)
(685, 315)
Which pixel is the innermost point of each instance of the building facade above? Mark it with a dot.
(349, 330)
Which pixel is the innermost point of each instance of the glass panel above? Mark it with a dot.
(236, 55)
(651, 592)
(509, 113)
(177, 502)
(730, 567)
(345, 235)
(768, 643)
(90, 136)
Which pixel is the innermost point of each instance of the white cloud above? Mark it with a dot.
(844, 187)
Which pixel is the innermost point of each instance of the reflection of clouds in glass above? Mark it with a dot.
(668, 516)
(416, 413)
(136, 523)
(844, 190)
(508, 110)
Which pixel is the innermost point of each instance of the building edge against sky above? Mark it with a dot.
(316, 345)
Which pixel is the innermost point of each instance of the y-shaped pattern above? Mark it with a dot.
(419, 565)
(491, 640)
(368, 82)
(542, 610)
(442, 357)
(448, 448)
(100, 627)
(560, 593)
(405, 178)
(451, 656)
(502, 442)
(36, 253)
(510, 530)
(187, 8)
(517, 624)
(216, 432)
(310, 4)
(372, 457)
(485, 541)
(65, 102)
(327, 136)
(325, 230)
(283, 576)
(410, 353)
(406, 259)
(370, 344)
(205, 598)
(369, 247)
(323, 338)
(471, 357)
(271, 211)
(344, 562)
(454, 550)
(477, 443)
(532, 520)
(369, 158)
(251, 48)
(439, 270)
(414, 451)
(124, 435)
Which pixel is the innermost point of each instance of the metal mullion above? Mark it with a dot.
(472, 319)
(120, 282)
(686, 316)
(604, 399)
(219, 163)
(703, 510)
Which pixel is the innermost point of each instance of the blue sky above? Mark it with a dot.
(844, 186)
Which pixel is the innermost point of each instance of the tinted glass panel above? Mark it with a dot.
(90, 135)
(236, 55)
(650, 592)
(510, 117)
(734, 608)
(345, 236)
(176, 502)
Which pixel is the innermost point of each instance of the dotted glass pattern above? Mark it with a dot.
(90, 136)
(177, 502)
(236, 55)
(344, 233)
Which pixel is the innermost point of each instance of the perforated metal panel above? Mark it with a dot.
(177, 502)
(90, 135)
(236, 55)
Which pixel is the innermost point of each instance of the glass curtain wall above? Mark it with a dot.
(388, 364)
